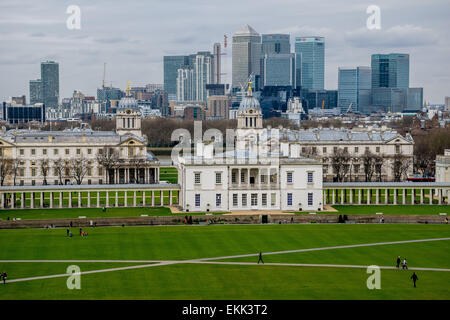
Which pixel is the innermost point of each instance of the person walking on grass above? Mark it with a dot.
(260, 258)
(4, 275)
(68, 231)
(414, 278)
(398, 262)
(404, 264)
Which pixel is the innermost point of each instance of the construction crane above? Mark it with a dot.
(323, 104)
(349, 109)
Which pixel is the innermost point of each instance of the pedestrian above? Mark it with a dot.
(68, 231)
(81, 230)
(414, 278)
(71, 224)
(404, 264)
(4, 275)
(260, 258)
(398, 262)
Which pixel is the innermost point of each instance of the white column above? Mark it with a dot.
(51, 199)
(22, 200)
(98, 199)
(61, 200)
(378, 196)
(359, 196)
(369, 195)
(413, 195)
(334, 196)
(170, 197)
(143, 198)
(421, 196)
(1, 200)
(404, 196)
(395, 196)
(79, 199)
(134, 198)
(342, 196)
(70, 199)
(386, 196)
(41, 200)
(161, 198)
(439, 196)
(431, 196)
(32, 200)
(351, 196)
(107, 199)
(153, 198)
(125, 199)
(117, 199)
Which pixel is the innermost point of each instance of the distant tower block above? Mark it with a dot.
(217, 63)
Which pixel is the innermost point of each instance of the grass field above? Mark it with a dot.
(393, 209)
(169, 174)
(218, 281)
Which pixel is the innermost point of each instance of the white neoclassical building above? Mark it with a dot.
(80, 156)
(252, 176)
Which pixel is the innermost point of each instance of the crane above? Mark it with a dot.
(104, 74)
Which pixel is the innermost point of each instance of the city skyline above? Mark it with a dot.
(134, 49)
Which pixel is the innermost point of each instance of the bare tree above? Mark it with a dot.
(108, 158)
(368, 162)
(59, 166)
(136, 162)
(340, 163)
(400, 166)
(44, 165)
(5, 169)
(15, 164)
(78, 169)
(379, 162)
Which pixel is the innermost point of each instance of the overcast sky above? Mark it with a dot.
(133, 36)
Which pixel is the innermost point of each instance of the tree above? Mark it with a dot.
(60, 168)
(400, 166)
(136, 162)
(15, 164)
(340, 163)
(5, 169)
(379, 162)
(368, 161)
(108, 158)
(78, 169)
(44, 166)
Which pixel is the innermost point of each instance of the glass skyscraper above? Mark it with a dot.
(310, 62)
(50, 83)
(171, 66)
(276, 43)
(390, 70)
(246, 59)
(279, 70)
(35, 91)
(354, 86)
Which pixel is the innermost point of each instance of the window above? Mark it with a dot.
(55, 151)
(289, 177)
(377, 149)
(345, 149)
(33, 172)
(310, 177)
(397, 149)
(218, 178)
(67, 151)
(197, 200)
(100, 171)
(78, 151)
(325, 169)
(197, 178)
(233, 177)
(367, 149)
(33, 152)
(244, 200)
(21, 152)
(235, 200)
(324, 150)
(334, 149)
(55, 172)
(254, 199)
(44, 151)
(89, 181)
(273, 199)
(33, 182)
(242, 177)
(100, 181)
(21, 172)
(310, 199)
(89, 151)
(218, 199)
(262, 178)
(55, 182)
(289, 199)
(356, 149)
(264, 199)
(89, 171)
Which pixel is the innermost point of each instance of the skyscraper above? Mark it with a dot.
(276, 43)
(171, 66)
(354, 86)
(35, 91)
(310, 62)
(246, 56)
(203, 74)
(390, 70)
(217, 63)
(50, 83)
(185, 85)
(279, 70)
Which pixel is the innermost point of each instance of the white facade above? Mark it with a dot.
(443, 167)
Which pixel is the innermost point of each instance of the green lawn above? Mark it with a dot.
(200, 281)
(393, 209)
(169, 174)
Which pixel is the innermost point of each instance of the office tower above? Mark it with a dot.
(275, 44)
(171, 66)
(50, 83)
(390, 70)
(310, 62)
(217, 63)
(203, 74)
(279, 70)
(35, 91)
(185, 85)
(246, 57)
(447, 103)
(218, 107)
(326, 99)
(109, 93)
(19, 100)
(396, 99)
(354, 86)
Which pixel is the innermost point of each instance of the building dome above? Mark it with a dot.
(128, 103)
(249, 103)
